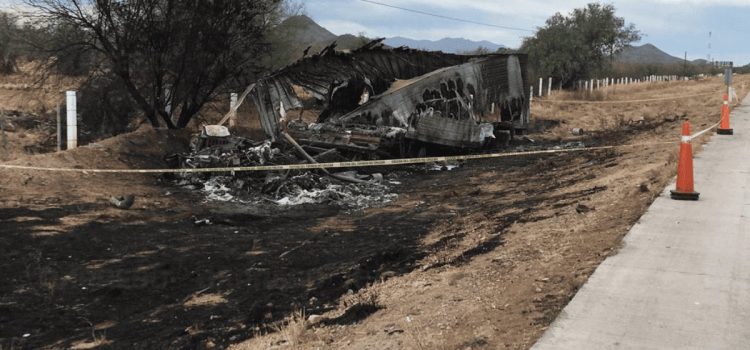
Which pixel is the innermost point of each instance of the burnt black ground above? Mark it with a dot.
(139, 271)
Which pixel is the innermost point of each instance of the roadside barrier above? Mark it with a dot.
(685, 188)
(725, 129)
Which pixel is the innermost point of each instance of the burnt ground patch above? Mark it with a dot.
(156, 279)
(139, 276)
(131, 281)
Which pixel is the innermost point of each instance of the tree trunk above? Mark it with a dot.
(153, 120)
(168, 120)
(185, 117)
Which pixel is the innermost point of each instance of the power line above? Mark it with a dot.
(447, 17)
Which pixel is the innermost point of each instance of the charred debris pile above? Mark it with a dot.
(216, 148)
(370, 103)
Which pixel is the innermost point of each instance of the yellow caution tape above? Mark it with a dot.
(352, 164)
(336, 165)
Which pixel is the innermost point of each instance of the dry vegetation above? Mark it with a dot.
(484, 256)
(32, 92)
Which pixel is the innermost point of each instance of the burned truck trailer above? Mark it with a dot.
(379, 101)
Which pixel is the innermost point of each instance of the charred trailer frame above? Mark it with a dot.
(374, 98)
(463, 106)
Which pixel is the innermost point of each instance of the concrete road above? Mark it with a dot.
(682, 279)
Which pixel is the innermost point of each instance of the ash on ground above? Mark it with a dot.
(349, 190)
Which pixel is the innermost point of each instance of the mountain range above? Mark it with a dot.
(305, 32)
(449, 45)
(650, 54)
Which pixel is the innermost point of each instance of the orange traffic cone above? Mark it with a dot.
(685, 188)
(724, 128)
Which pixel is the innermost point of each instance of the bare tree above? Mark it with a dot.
(172, 56)
(8, 50)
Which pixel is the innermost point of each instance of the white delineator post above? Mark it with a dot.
(541, 87)
(232, 109)
(549, 87)
(72, 123)
(531, 94)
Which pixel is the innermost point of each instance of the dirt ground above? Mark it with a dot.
(483, 256)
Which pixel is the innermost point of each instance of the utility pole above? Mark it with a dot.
(684, 69)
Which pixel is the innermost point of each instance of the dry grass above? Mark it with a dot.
(584, 95)
(294, 328)
(365, 298)
(97, 339)
(636, 91)
(210, 299)
(416, 335)
(595, 117)
(295, 331)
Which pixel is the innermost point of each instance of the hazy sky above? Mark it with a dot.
(675, 26)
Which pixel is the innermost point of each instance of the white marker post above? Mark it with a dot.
(541, 87)
(549, 87)
(72, 123)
